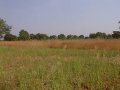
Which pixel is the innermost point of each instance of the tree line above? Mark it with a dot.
(5, 34)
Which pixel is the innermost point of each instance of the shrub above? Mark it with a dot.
(10, 37)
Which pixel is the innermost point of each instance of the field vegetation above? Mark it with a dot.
(78, 44)
(60, 65)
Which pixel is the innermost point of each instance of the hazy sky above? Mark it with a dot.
(61, 16)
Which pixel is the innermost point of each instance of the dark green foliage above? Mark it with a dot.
(81, 37)
(75, 37)
(32, 36)
(61, 36)
(4, 28)
(41, 36)
(72, 37)
(109, 36)
(99, 35)
(10, 37)
(92, 35)
(116, 34)
(24, 35)
(53, 37)
(69, 36)
(86, 37)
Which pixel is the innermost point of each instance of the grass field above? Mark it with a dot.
(30, 65)
(78, 44)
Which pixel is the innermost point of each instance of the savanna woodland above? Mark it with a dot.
(58, 62)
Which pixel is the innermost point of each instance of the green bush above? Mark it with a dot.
(10, 37)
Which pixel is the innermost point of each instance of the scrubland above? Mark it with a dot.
(60, 65)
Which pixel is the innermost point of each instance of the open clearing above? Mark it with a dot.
(30, 65)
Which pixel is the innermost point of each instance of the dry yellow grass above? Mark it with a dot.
(84, 44)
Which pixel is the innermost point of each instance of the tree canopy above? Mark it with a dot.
(24, 35)
(10, 37)
(4, 28)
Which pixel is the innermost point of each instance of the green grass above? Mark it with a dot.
(59, 69)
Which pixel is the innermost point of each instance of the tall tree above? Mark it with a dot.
(24, 35)
(4, 28)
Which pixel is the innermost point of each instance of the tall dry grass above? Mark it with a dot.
(84, 44)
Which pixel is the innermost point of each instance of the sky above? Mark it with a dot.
(61, 16)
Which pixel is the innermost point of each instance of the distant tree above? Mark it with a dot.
(41, 36)
(53, 37)
(24, 35)
(109, 36)
(37, 36)
(61, 36)
(69, 36)
(81, 37)
(86, 37)
(116, 34)
(10, 37)
(100, 35)
(72, 37)
(32, 36)
(92, 36)
(75, 37)
(4, 28)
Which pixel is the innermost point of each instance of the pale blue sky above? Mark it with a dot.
(61, 16)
